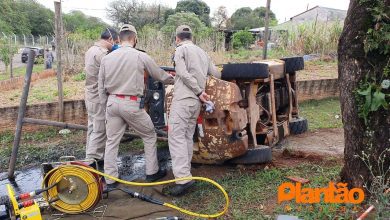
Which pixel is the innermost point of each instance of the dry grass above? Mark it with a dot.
(46, 90)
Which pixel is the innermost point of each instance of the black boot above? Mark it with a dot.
(178, 189)
(160, 174)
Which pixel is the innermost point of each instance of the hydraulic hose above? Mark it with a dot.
(78, 171)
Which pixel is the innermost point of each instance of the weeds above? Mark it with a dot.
(380, 183)
(79, 77)
(254, 196)
(309, 38)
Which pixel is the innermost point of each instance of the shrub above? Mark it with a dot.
(79, 77)
(242, 39)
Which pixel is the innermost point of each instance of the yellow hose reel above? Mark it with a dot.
(79, 189)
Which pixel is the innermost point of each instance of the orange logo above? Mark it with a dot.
(332, 194)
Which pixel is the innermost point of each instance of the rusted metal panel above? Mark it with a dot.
(224, 134)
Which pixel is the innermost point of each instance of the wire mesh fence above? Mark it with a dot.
(28, 40)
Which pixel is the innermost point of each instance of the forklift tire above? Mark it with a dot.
(298, 126)
(247, 71)
(260, 154)
(293, 64)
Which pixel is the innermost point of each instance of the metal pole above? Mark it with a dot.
(58, 29)
(80, 127)
(22, 111)
(33, 40)
(266, 32)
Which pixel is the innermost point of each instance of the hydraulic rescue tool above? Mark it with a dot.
(73, 187)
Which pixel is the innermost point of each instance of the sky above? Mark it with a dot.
(284, 9)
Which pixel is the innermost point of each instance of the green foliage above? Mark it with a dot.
(246, 18)
(79, 77)
(242, 39)
(181, 18)
(198, 7)
(7, 51)
(40, 18)
(378, 35)
(371, 96)
(77, 21)
(13, 18)
(168, 13)
(373, 92)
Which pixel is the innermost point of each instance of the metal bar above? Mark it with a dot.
(22, 111)
(289, 97)
(266, 31)
(78, 127)
(273, 105)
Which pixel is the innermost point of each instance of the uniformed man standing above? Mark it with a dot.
(96, 134)
(192, 65)
(121, 85)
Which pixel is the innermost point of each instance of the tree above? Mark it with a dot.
(199, 7)
(168, 13)
(40, 18)
(12, 17)
(220, 17)
(187, 18)
(245, 17)
(77, 20)
(136, 13)
(364, 71)
(7, 52)
(260, 13)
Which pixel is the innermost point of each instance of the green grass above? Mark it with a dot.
(324, 113)
(254, 195)
(21, 71)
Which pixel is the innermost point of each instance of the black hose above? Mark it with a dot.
(142, 196)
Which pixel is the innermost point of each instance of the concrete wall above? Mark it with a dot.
(17, 82)
(317, 89)
(75, 111)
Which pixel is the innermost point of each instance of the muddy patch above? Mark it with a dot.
(131, 167)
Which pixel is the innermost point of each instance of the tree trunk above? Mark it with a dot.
(354, 66)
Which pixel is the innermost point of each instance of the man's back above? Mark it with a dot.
(93, 58)
(197, 64)
(126, 73)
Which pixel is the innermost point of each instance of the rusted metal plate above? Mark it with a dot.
(221, 128)
(221, 139)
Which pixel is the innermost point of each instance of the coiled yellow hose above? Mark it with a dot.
(85, 173)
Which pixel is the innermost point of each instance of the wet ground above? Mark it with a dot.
(311, 145)
(131, 167)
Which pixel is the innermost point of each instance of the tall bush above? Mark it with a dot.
(242, 39)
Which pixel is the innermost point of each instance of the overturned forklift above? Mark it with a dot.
(256, 106)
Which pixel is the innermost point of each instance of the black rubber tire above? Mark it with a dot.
(250, 71)
(260, 154)
(293, 64)
(298, 126)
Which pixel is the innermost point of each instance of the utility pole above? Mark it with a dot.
(266, 31)
(59, 34)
